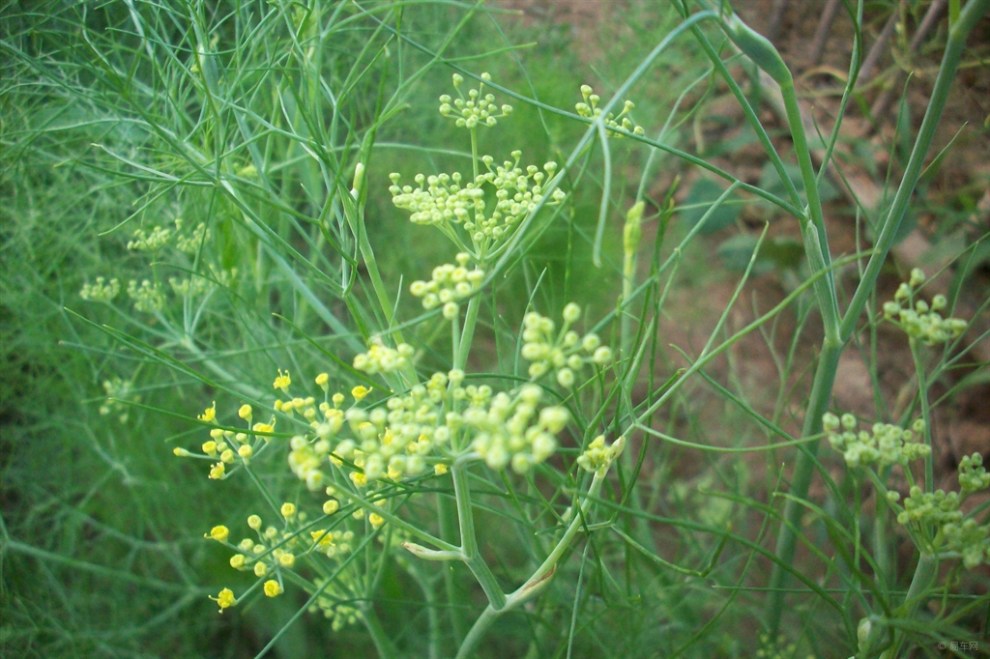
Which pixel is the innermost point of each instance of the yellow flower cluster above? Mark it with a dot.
(229, 447)
(274, 550)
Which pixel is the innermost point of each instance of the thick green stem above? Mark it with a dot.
(469, 539)
(924, 576)
(377, 633)
(821, 395)
(454, 592)
(813, 227)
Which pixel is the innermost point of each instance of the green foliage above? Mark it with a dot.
(376, 325)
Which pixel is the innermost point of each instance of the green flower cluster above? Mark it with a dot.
(972, 475)
(588, 108)
(936, 518)
(160, 236)
(450, 283)
(149, 296)
(120, 396)
(432, 424)
(476, 108)
(446, 200)
(938, 507)
(101, 290)
(563, 352)
(919, 319)
(969, 539)
(190, 286)
(510, 428)
(885, 444)
(776, 648)
(149, 241)
(955, 533)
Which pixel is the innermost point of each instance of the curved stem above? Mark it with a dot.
(540, 577)
(469, 539)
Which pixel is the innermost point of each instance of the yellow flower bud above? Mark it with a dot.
(209, 414)
(282, 381)
(219, 533)
(225, 599)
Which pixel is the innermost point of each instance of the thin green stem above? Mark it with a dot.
(813, 227)
(467, 333)
(926, 411)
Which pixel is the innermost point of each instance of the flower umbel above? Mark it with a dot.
(457, 205)
(884, 444)
(920, 320)
(588, 108)
(476, 108)
(563, 353)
